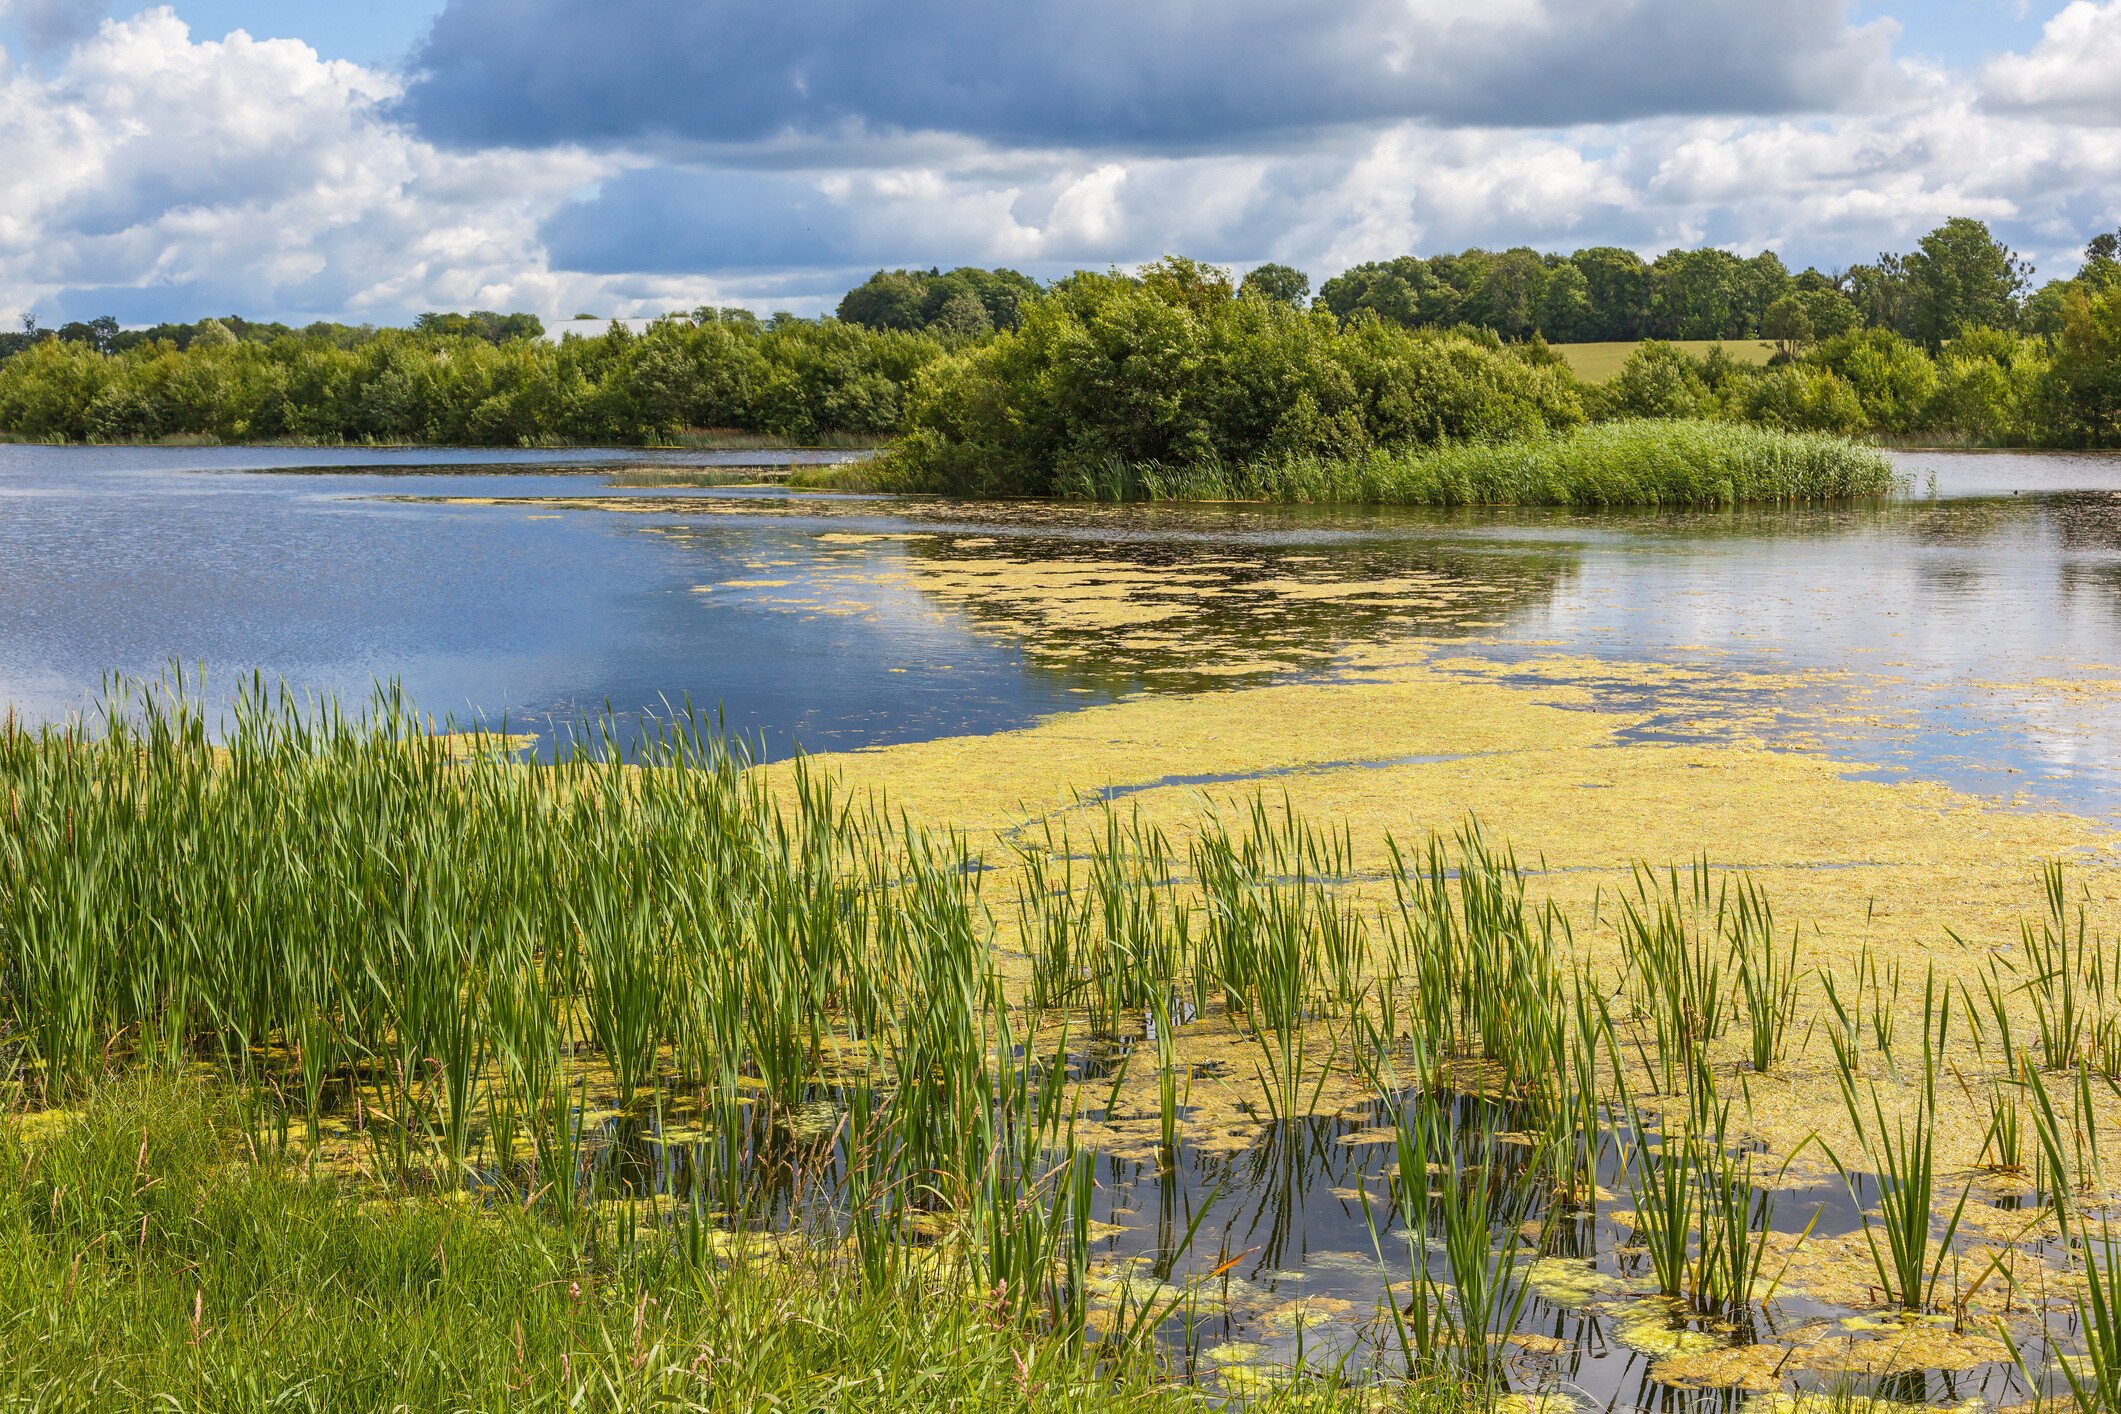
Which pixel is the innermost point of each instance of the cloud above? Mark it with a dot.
(54, 24)
(2073, 73)
(155, 177)
(1118, 73)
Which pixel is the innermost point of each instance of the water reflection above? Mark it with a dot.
(1971, 636)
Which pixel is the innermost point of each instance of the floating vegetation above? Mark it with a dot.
(1253, 1105)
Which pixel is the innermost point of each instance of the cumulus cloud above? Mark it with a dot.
(2073, 73)
(152, 177)
(1119, 72)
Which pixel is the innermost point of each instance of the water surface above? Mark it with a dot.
(1965, 631)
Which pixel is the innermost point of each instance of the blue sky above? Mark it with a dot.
(368, 161)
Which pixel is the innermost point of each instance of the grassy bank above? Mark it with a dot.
(151, 1258)
(1595, 363)
(1610, 464)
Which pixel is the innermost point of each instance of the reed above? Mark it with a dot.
(1902, 1157)
(1660, 463)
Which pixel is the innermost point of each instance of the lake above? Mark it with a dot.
(1949, 633)
(1967, 631)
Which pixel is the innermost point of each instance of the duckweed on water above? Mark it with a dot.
(680, 1035)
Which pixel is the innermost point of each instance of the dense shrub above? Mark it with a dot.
(793, 378)
(1175, 371)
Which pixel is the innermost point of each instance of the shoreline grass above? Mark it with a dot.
(1616, 464)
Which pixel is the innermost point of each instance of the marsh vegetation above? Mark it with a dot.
(353, 1065)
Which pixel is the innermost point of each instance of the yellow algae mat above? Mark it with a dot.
(1914, 874)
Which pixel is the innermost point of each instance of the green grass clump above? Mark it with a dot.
(144, 1264)
(1636, 463)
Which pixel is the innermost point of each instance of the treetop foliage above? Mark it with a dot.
(994, 383)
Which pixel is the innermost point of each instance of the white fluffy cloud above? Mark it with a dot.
(2073, 73)
(154, 176)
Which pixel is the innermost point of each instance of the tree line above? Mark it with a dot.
(1177, 363)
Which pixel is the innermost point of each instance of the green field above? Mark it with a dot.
(1594, 363)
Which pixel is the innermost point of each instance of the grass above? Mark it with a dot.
(369, 1071)
(1644, 463)
(144, 1264)
(1594, 363)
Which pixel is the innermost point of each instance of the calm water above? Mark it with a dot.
(1969, 631)
(1944, 634)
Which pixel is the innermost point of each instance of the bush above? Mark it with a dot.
(796, 379)
(1893, 378)
(1176, 372)
(1801, 399)
(1658, 380)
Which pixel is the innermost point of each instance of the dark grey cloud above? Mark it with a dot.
(54, 24)
(1116, 73)
(666, 220)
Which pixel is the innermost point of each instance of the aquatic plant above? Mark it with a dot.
(1641, 463)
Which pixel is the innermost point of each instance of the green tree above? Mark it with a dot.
(1406, 292)
(1960, 276)
(2079, 402)
(886, 300)
(1700, 294)
(1789, 324)
(1619, 285)
(963, 317)
(1566, 313)
(1506, 293)
(1280, 284)
(1185, 283)
(1882, 293)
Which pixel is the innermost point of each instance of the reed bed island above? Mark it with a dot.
(352, 1066)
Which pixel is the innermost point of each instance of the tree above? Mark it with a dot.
(98, 333)
(1280, 284)
(494, 328)
(1699, 294)
(886, 300)
(1960, 276)
(1619, 285)
(1767, 279)
(963, 317)
(1799, 320)
(1566, 313)
(1405, 291)
(1506, 293)
(1881, 293)
(1788, 324)
(1185, 283)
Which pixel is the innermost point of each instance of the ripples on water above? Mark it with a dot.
(1961, 619)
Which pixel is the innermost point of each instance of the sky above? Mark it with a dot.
(305, 159)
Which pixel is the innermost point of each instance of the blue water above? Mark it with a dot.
(335, 569)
